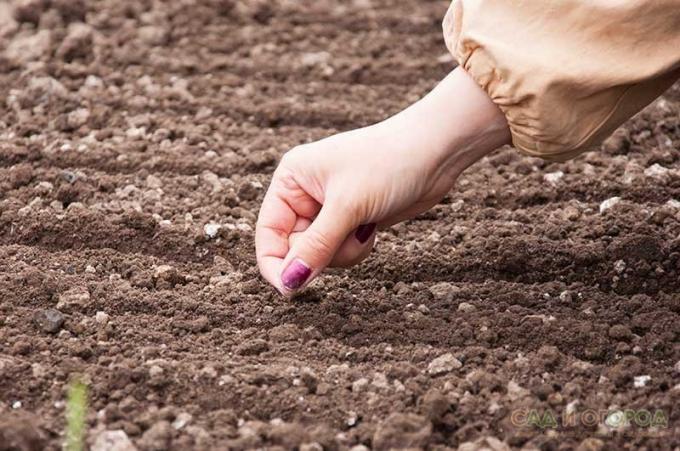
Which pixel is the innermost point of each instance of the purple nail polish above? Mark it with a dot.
(295, 275)
(364, 232)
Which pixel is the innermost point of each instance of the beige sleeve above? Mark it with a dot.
(566, 73)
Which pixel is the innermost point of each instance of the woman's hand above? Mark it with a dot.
(327, 197)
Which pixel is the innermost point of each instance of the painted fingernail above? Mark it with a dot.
(364, 232)
(296, 274)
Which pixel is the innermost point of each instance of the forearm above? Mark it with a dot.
(456, 122)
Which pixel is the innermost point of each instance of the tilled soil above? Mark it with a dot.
(136, 142)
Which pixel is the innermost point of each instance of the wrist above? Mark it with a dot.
(457, 123)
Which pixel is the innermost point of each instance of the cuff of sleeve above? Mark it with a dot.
(563, 91)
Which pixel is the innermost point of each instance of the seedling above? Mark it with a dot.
(76, 411)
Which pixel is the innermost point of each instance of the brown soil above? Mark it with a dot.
(121, 139)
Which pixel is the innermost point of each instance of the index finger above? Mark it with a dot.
(282, 207)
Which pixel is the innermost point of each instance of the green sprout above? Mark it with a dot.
(76, 411)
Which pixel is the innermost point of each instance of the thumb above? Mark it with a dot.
(316, 246)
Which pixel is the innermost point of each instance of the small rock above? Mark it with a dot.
(443, 364)
(49, 320)
(443, 290)
(113, 441)
(571, 213)
(424, 309)
(153, 35)
(182, 420)
(77, 118)
(515, 391)
(676, 368)
(101, 317)
(466, 307)
(211, 229)
(609, 203)
(641, 381)
(315, 58)
(359, 385)
(553, 177)
(619, 266)
(76, 296)
(401, 431)
(656, 171)
(565, 296)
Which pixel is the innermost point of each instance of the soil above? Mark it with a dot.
(136, 142)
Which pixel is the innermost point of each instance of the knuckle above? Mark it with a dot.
(318, 242)
(293, 156)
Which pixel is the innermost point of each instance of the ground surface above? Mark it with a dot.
(122, 139)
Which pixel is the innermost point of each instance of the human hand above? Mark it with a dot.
(326, 198)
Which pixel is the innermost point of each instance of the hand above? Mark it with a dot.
(327, 198)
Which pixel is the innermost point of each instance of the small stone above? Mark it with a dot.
(155, 371)
(49, 320)
(553, 177)
(113, 441)
(76, 296)
(424, 309)
(443, 364)
(641, 381)
(443, 290)
(619, 266)
(90, 269)
(211, 229)
(352, 419)
(571, 213)
(359, 385)
(153, 35)
(315, 58)
(609, 203)
(181, 420)
(101, 317)
(656, 171)
(16, 405)
(515, 391)
(565, 296)
(466, 307)
(77, 118)
(676, 368)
